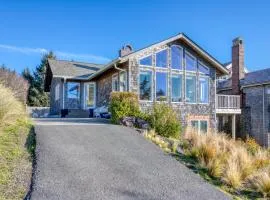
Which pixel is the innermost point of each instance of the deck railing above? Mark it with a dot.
(228, 101)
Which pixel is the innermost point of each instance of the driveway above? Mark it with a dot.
(87, 159)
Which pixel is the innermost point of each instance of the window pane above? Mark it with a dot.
(204, 90)
(146, 61)
(161, 58)
(91, 95)
(161, 86)
(191, 89)
(195, 124)
(203, 126)
(190, 63)
(203, 69)
(115, 83)
(176, 57)
(123, 81)
(146, 85)
(73, 90)
(176, 87)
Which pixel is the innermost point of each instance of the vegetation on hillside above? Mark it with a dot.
(17, 146)
(36, 95)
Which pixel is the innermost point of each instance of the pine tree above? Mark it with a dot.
(36, 94)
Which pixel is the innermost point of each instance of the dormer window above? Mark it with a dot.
(161, 58)
(146, 61)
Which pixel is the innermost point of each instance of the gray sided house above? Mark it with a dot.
(176, 70)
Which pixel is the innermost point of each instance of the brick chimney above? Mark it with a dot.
(237, 64)
(125, 50)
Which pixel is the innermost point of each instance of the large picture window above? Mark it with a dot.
(161, 86)
(147, 61)
(191, 88)
(190, 62)
(161, 58)
(176, 87)
(204, 89)
(203, 69)
(146, 85)
(73, 90)
(176, 57)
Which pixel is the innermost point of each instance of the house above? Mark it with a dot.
(176, 70)
(254, 89)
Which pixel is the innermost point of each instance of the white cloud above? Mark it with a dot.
(59, 54)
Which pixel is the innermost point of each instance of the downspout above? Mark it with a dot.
(115, 66)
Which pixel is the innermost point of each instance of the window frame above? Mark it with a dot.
(199, 125)
(167, 85)
(115, 76)
(199, 90)
(196, 62)
(167, 58)
(149, 55)
(182, 61)
(182, 91)
(152, 81)
(196, 85)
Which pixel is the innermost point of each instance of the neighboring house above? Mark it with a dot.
(176, 70)
(254, 89)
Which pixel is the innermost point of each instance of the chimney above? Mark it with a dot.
(125, 50)
(237, 64)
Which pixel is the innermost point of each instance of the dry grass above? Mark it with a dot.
(261, 182)
(15, 148)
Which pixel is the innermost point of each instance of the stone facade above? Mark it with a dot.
(186, 110)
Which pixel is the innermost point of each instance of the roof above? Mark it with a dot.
(70, 69)
(256, 77)
(224, 84)
(228, 66)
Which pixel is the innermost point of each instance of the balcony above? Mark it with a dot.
(228, 104)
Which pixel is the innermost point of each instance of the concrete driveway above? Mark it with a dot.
(88, 159)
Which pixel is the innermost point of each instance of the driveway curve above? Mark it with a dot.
(95, 160)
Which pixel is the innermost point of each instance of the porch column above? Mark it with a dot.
(63, 95)
(233, 126)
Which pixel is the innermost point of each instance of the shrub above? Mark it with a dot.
(165, 121)
(123, 104)
(10, 108)
(251, 145)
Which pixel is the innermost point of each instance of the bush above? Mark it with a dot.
(165, 121)
(10, 108)
(261, 182)
(123, 104)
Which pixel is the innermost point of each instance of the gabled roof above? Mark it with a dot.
(74, 70)
(221, 69)
(256, 77)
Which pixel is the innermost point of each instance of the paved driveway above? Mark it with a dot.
(84, 159)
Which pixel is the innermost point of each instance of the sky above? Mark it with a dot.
(94, 31)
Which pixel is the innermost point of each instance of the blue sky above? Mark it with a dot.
(93, 31)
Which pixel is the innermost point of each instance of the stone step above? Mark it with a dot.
(78, 114)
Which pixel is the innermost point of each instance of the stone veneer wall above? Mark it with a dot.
(187, 110)
(255, 112)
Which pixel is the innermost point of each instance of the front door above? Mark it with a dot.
(90, 95)
(73, 95)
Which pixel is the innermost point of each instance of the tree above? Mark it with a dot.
(36, 94)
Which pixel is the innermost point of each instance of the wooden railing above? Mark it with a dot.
(227, 101)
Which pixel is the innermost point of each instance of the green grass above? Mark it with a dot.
(17, 145)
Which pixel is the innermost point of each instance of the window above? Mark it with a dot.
(204, 89)
(203, 69)
(123, 81)
(90, 91)
(176, 57)
(161, 58)
(115, 82)
(190, 62)
(161, 86)
(200, 125)
(57, 92)
(176, 87)
(191, 88)
(146, 85)
(146, 61)
(73, 90)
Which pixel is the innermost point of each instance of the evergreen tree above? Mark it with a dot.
(36, 94)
